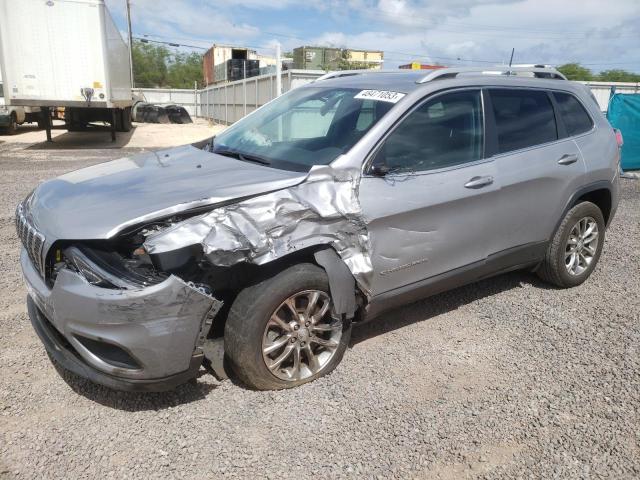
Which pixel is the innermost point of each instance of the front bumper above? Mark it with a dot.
(140, 339)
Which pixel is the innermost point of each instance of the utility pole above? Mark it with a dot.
(278, 71)
(130, 42)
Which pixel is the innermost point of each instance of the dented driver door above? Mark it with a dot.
(431, 213)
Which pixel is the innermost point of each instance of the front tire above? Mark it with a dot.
(576, 247)
(280, 333)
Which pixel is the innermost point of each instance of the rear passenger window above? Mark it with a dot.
(524, 118)
(574, 116)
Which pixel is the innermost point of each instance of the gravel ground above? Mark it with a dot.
(505, 378)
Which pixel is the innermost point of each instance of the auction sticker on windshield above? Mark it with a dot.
(380, 95)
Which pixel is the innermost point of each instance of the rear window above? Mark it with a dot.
(575, 117)
(524, 118)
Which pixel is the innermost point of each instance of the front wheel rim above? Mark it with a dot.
(301, 337)
(581, 246)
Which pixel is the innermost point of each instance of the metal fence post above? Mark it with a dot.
(195, 98)
(244, 95)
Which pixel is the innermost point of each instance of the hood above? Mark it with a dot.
(98, 202)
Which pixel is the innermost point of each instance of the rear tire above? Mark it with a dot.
(576, 247)
(123, 119)
(13, 124)
(271, 355)
(42, 121)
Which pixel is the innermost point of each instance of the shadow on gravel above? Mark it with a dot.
(91, 137)
(420, 311)
(430, 307)
(135, 402)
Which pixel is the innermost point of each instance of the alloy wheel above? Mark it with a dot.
(581, 246)
(301, 337)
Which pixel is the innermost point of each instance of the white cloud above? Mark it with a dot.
(547, 31)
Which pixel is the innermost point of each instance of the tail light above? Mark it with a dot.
(619, 139)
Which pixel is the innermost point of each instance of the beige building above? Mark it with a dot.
(373, 58)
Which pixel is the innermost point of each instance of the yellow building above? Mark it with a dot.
(373, 58)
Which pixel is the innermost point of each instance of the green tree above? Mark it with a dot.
(184, 70)
(149, 64)
(156, 66)
(617, 75)
(575, 71)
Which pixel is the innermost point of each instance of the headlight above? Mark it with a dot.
(92, 273)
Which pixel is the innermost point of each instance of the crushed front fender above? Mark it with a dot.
(323, 210)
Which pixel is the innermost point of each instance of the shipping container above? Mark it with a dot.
(316, 58)
(325, 58)
(215, 59)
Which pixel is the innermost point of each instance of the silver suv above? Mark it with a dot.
(329, 205)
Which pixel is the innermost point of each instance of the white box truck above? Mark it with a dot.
(66, 53)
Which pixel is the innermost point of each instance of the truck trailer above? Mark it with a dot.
(69, 54)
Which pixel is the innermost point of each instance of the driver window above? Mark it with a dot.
(443, 132)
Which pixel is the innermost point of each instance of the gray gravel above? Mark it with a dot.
(505, 378)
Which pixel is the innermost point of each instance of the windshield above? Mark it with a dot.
(305, 127)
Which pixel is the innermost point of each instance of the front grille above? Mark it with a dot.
(32, 240)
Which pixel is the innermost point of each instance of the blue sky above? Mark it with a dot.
(600, 34)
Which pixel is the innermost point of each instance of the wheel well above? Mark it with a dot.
(601, 198)
(245, 275)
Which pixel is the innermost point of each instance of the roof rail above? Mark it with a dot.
(451, 72)
(348, 73)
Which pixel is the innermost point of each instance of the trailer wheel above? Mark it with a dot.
(13, 124)
(42, 121)
(123, 119)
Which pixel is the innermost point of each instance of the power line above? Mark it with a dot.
(171, 44)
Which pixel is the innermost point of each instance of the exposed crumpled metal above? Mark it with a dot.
(324, 209)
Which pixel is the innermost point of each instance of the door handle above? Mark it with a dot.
(568, 159)
(479, 182)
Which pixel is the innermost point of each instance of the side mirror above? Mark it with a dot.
(379, 167)
(379, 170)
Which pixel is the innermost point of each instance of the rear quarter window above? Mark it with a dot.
(575, 117)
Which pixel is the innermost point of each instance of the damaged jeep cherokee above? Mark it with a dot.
(333, 203)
